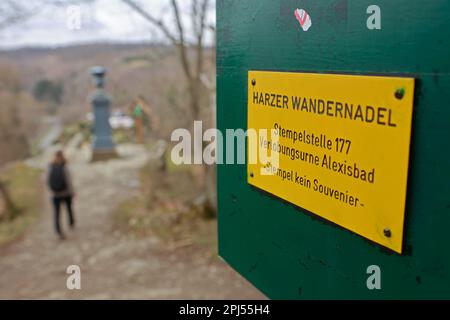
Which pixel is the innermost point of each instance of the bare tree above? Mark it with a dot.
(12, 12)
(10, 208)
(193, 69)
(17, 11)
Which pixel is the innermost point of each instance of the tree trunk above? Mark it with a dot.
(211, 187)
(10, 208)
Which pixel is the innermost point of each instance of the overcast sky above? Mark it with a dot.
(102, 20)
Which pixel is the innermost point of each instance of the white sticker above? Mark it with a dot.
(304, 19)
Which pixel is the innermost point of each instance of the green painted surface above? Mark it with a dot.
(286, 252)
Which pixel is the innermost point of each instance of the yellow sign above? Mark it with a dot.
(342, 144)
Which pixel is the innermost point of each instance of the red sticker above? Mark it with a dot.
(303, 18)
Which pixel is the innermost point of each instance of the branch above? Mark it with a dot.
(194, 14)
(15, 14)
(157, 23)
(182, 44)
(200, 35)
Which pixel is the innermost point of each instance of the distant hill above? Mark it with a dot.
(150, 71)
(133, 69)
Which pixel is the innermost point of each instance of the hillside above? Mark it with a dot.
(150, 71)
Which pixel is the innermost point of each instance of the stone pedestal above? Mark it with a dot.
(102, 145)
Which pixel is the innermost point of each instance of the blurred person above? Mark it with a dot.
(60, 184)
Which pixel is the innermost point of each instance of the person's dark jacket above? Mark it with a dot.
(69, 191)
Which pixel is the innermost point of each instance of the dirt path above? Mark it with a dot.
(113, 265)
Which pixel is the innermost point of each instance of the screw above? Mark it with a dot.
(400, 93)
(387, 232)
(253, 82)
(251, 175)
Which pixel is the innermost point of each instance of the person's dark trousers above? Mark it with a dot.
(57, 212)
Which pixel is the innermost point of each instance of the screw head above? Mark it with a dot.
(251, 175)
(400, 93)
(253, 82)
(387, 233)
